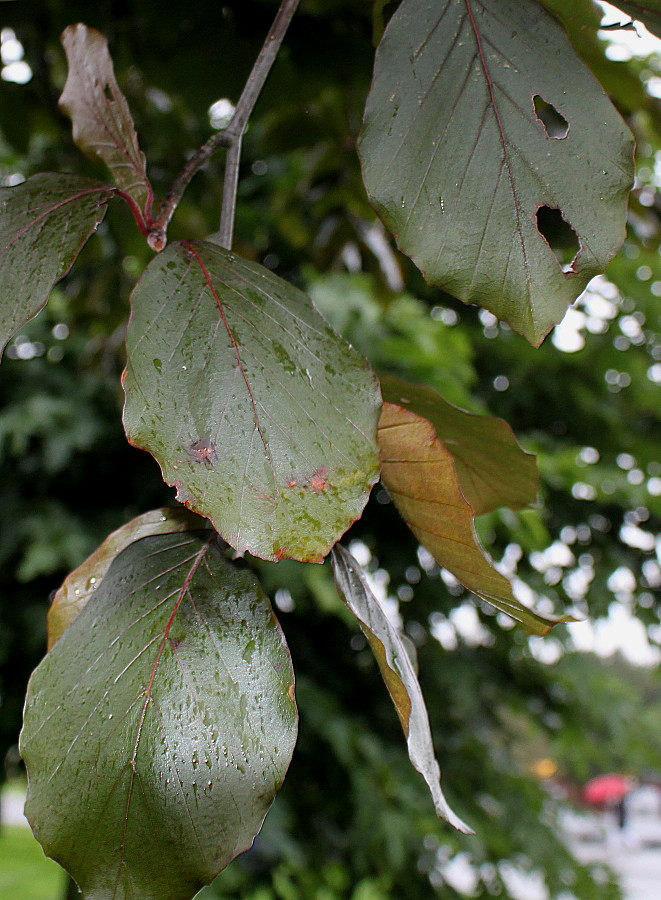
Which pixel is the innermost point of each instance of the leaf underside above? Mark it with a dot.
(160, 726)
(419, 472)
(492, 469)
(261, 416)
(44, 223)
(101, 119)
(462, 163)
(398, 673)
(80, 585)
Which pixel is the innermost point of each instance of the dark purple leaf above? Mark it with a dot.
(44, 223)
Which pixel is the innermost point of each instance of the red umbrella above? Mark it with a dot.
(607, 788)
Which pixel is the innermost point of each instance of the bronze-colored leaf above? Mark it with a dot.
(100, 115)
(492, 469)
(420, 475)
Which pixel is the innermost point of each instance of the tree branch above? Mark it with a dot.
(230, 187)
(230, 137)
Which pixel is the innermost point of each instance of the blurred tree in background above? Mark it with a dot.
(353, 819)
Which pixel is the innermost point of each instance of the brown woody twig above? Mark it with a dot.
(230, 138)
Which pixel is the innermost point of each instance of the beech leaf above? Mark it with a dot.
(263, 418)
(494, 156)
(81, 584)
(101, 118)
(492, 469)
(419, 472)
(398, 673)
(160, 726)
(44, 223)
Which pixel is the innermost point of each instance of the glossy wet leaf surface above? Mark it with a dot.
(160, 726)
(492, 469)
(256, 410)
(44, 223)
(80, 585)
(420, 474)
(492, 153)
(101, 119)
(398, 673)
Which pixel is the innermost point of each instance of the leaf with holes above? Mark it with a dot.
(160, 726)
(492, 469)
(255, 409)
(79, 585)
(419, 472)
(101, 119)
(44, 224)
(398, 673)
(492, 153)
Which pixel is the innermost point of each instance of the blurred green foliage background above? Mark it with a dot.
(353, 819)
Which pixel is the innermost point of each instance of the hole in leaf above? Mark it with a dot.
(555, 124)
(107, 90)
(559, 235)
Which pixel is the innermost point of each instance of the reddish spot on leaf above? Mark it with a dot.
(182, 494)
(292, 483)
(319, 481)
(202, 451)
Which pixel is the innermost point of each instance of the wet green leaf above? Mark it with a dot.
(101, 118)
(492, 153)
(262, 417)
(80, 585)
(44, 223)
(160, 726)
(491, 467)
(398, 673)
(420, 474)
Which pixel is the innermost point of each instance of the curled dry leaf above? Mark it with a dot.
(398, 673)
(100, 115)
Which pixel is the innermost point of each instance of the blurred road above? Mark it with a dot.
(634, 854)
(639, 868)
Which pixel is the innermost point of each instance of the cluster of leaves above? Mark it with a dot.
(284, 504)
